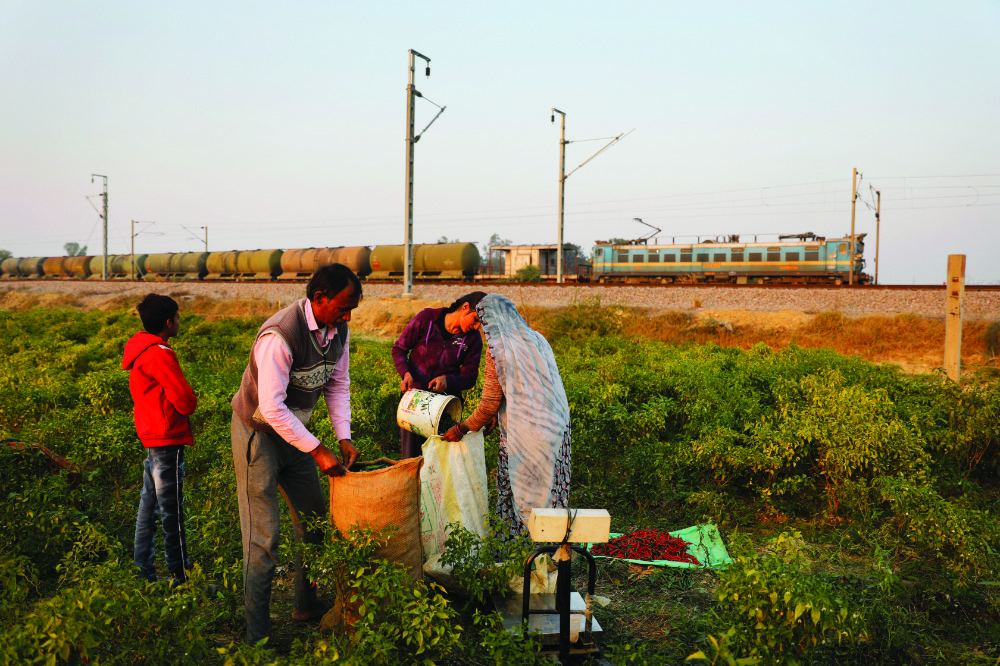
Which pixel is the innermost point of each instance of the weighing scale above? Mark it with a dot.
(563, 619)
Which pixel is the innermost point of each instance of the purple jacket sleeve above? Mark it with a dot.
(407, 341)
(466, 379)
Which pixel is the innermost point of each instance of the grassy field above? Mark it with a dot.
(859, 500)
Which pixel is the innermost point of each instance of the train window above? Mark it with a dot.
(670, 258)
(791, 256)
(654, 258)
(702, 256)
(623, 257)
(638, 258)
(719, 256)
(774, 256)
(755, 256)
(812, 256)
(843, 248)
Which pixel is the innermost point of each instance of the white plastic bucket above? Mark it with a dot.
(420, 411)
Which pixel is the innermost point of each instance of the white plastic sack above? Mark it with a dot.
(452, 489)
(544, 575)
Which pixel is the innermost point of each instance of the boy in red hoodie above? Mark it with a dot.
(163, 401)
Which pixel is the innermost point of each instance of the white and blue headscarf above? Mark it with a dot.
(534, 417)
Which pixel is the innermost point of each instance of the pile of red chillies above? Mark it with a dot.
(647, 545)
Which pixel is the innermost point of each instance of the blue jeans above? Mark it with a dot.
(162, 497)
(265, 465)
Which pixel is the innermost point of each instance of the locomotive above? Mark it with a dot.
(793, 259)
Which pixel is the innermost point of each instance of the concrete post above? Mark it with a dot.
(955, 295)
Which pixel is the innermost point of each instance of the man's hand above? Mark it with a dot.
(348, 454)
(439, 384)
(407, 383)
(327, 462)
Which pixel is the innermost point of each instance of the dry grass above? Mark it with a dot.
(23, 300)
(212, 308)
(914, 343)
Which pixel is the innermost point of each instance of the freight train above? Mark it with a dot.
(800, 258)
(439, 261)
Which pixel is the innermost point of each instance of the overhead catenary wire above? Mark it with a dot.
(802, 199)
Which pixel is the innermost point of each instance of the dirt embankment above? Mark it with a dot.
(898, 332)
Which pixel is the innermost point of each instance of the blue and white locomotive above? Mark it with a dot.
(808, 259)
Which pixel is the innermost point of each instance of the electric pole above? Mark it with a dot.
(134, 234)
(562, 193)
(411, 94)
(104, 216)
(562, 181)
(878, 208)
(854, 199)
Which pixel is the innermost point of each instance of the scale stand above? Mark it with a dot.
(563, 606)
(558, 616)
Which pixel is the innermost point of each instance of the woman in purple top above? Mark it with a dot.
(439, 351)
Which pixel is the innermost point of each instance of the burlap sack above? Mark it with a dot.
(383, 498)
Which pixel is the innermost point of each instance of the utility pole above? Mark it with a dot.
(134, 234)
(206, 238)
(878, 208)
(854, 200)
(104, 262)
(411, 94)
(562, 181)
(562, 192)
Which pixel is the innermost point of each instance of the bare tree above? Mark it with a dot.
(74, 250)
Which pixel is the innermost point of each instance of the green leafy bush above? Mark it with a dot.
(529, 273)
(992, 339)
(779, 608)
(394, 619)
(101, 613)
(484, 566)
(964, 540)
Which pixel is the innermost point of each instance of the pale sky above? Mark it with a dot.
(282, 125)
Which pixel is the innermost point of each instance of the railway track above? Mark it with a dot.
(982, 302)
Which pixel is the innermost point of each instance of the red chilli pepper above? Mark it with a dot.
(647, 545)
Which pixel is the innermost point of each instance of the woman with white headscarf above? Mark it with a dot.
(524, 392)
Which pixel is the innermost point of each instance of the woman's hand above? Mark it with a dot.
(492, 425)
(454, 434)
(439, 384)
(407, 383)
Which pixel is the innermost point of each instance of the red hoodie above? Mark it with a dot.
(163, 399)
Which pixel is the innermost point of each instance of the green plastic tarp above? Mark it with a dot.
(706, 545)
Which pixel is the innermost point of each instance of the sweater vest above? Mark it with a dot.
(312, 367)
